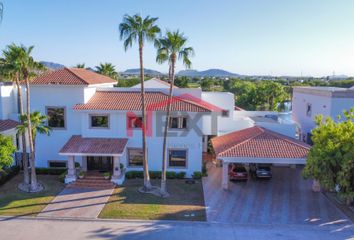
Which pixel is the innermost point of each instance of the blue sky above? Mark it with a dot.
(315, 37)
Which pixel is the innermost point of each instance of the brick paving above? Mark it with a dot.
(285, 199)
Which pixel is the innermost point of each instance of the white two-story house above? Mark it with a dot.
(308, 102)
(99, 126)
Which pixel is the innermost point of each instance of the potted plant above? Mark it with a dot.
(106, 175)
(81, 175)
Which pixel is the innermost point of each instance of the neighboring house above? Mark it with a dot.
(311, 101)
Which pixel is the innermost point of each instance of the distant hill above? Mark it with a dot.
(136, 71)
(207, 73)
(52, 66)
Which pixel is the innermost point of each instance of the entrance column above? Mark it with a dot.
(116, 170)
(71, 176)
(225, 176)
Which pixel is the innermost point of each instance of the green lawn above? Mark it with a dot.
(13, 202)
(186, 202)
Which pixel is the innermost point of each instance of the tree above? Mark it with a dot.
(170, 48)
(10, 69)
(108, 70)
(29, 68)
(1, 11)
(206, 84)
(269, 95)
(331, 159)
(39, 125)
(136, 29)
(7, 149)
(181, 82)
(80, 65)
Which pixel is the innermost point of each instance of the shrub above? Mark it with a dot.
(197, 175)
(181, 175)
(62, 176)
(204, 170)
(50, 171)
(77, 165)
(106, 174)
(155, 174)
(8, 173)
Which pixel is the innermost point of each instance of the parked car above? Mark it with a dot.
(237, 172)
(261, 170)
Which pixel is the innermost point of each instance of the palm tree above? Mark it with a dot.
(29, 68)
(10, 69)
(136, 29)
(1, 10)
(171, 48)
(108, 70)
(38, 123)
(80, 65)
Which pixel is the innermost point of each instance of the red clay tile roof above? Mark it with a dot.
(7, 124)
(80, 145)
(71, 76)
(257, 142)
(155, 101)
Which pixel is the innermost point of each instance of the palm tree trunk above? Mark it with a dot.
(34, 183)
(26, 178)
(147, 183)
(164, 145)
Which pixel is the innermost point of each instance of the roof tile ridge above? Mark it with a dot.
(246, 140)
(286, 138)
(80, 78)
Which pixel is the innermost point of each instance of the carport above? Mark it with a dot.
(257, 145)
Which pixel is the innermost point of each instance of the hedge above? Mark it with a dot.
(50, 171)
(155, 174)
(7, 173)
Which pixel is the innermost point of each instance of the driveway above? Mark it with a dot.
(77, 202)
(285, 199)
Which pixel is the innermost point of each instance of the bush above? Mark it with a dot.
(155, 174)
(62, 176)
(77, 165)
(50, 171)
(204, 170)
(181, 175)
(197, 175)
(8, 173)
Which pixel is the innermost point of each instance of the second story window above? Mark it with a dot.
(308, 110)
(99, 121)
(178, 123)
(56, 117)
(135, 122)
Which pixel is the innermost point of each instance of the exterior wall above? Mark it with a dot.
(8, 102)
(47, 147)
(192, 140)
(339, 105)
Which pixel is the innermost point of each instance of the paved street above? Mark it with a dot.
(285, 199)
(77, 202)
(38, 229)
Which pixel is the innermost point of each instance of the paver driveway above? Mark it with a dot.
(286, 198)
(77, 202)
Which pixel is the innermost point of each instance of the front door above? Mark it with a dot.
(99, 163)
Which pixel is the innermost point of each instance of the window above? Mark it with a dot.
(135, 122)
(56, 117)
(57, 164)
(308, 109)
(135, 157)
(225, 113)
(177, 158)
(99, 121)
(178, 122)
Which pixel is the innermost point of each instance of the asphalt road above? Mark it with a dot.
(40, 228)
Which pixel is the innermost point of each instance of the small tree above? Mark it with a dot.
(7, 149)
(331, 159)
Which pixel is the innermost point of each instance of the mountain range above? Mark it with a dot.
(52, 66)
(207, 73)
(136, 71)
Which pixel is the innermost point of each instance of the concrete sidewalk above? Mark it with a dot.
(77, 202)
(38, 229)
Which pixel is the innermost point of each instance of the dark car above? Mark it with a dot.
(237, 172)
(261, 170)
